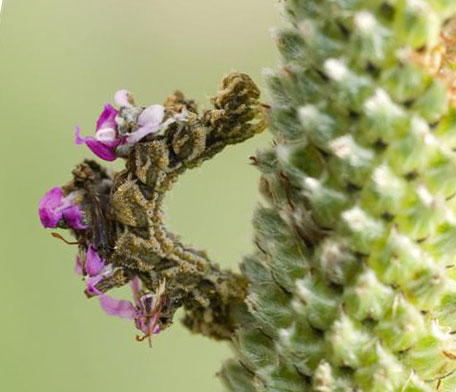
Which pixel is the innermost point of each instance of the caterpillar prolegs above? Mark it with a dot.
(124, 236)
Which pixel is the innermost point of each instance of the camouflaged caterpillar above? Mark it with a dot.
(123, 211)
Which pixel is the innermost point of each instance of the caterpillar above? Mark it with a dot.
(122, 235)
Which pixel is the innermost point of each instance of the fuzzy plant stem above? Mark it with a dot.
(352, 286)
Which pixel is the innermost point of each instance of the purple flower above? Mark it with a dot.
(149, 121)
(106, 138)
(54, 206)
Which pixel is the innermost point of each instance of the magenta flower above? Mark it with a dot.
(54, 207)
(106, 138)
(145, 310)
(95, 270)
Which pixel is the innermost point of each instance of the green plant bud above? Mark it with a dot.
(445, 313)
(396, 258)
(350, 163)
(255, 271)
(383, 118)
(288, 264)
(385, 193)
(405, 82)
(266, 161)
(433, 103)
(318, 46)
(335, 262)
(271, 307)
(290, 44)
(445, 129)
(440, 174)
(305, 158)
(410, 154)
(363, 229)
(349, 88)
(284, 122)
(276, 89)
(370, 39)
(269, 224)
(319, 302)
(347, 342)
(402, 326)
(256, 348)
(427, 285)
(421, 212)
(319, 127)
(446, 7)
(236, 378)
(439, 345)
(416, 23)
(302, 344)
(325, 381)
(281, 378)
(368, 298)
(383, 372)
(327, 204)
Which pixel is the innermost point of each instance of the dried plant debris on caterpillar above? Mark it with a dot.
(118, 220)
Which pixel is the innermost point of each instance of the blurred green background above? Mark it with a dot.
(60, 61)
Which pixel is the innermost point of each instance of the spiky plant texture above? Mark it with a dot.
(352, 286)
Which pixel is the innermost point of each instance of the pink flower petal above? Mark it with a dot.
(78, 139)
(49, 207)
(107, 117)
(106, 136)
(73, 217)
(78, 266)
(53, 207)
(135, 288)
(152, 116)
(150, 121)
(92, 285)
(116, 307)
(101, 150)
(103, 145)
(94, 263)
(141, 133)
(123, 98)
